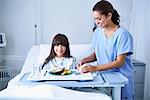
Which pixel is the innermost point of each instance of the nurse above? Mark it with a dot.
(113, 46)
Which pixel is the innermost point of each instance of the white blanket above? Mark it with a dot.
(48, 92)
(45, 91)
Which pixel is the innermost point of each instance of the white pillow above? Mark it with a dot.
(80, 50)
(31, 59)
(77, 50)
(38, 54)
(43, 53)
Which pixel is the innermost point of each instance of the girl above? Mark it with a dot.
(59, 56)
(113, 46)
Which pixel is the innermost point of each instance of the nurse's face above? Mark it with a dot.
(59, 50)
(101, 20)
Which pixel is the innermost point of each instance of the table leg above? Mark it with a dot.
(116, 93)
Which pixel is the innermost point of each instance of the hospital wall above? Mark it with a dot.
(71, 17)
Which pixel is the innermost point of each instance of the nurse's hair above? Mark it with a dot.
(105, 7)
(59, 39)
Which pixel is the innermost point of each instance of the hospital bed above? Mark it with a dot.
(36, 56)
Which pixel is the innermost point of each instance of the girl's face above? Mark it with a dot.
(59, 50)
(101, 20)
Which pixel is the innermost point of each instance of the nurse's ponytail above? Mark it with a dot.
(105, 7)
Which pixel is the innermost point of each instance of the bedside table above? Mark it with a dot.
(139, 78)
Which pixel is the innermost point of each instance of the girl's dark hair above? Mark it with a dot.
(59, 39)
(105, 7)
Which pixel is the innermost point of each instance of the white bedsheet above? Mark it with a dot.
(17, 91)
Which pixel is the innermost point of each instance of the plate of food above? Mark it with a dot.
(61, 71)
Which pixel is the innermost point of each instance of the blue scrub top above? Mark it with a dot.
(107, 50)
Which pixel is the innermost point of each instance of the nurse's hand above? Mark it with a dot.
(89, 68)
(81, 67)
(80, 64)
